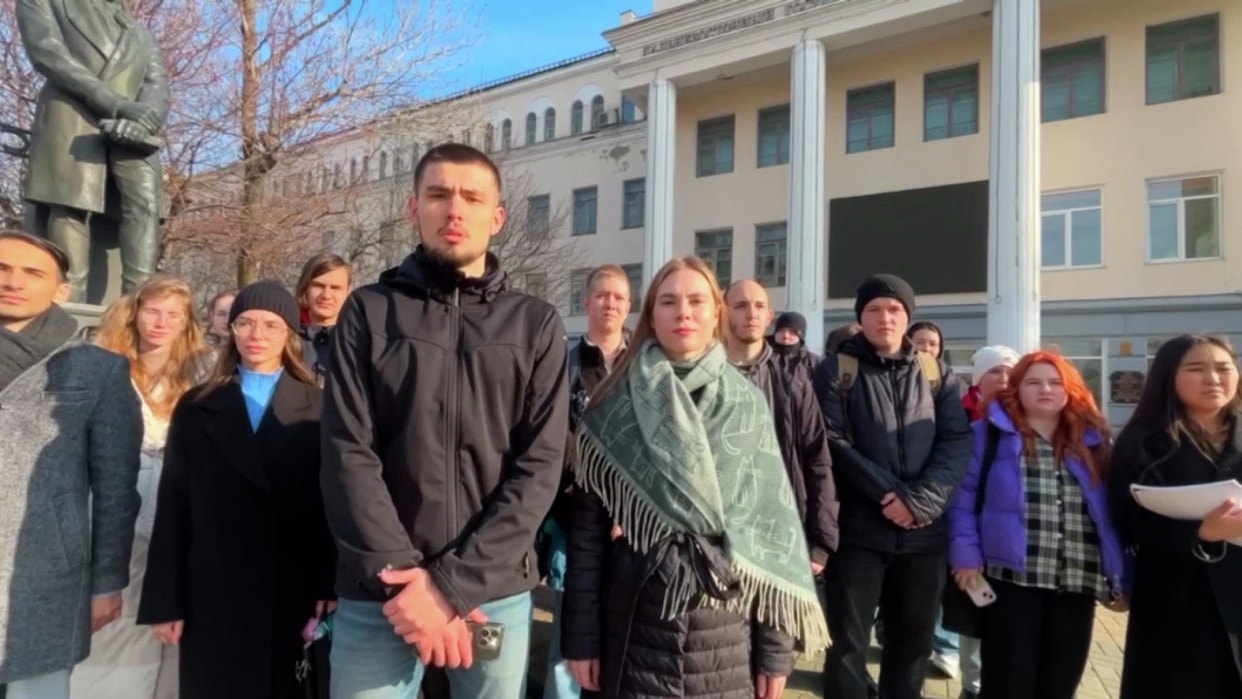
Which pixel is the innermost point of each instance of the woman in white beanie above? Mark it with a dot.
(990, 374)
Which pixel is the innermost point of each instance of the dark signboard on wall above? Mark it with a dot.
(1125, 387)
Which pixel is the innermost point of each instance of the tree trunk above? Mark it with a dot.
(253, 173)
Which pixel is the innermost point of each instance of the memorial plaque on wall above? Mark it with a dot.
(1125, 387)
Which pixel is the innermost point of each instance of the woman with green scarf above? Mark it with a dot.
(688, 572)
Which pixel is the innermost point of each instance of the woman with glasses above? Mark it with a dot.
(241, 557)
(154, 328)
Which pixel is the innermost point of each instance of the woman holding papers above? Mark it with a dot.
(1183, 636)
(1034, 524)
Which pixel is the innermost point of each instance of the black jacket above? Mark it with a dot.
(612, 610)
(794, 358)
(804, 447)
(444, 429)
(240, 549)
(889, 433)
(317, 349)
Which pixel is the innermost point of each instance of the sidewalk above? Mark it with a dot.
(1101, 681)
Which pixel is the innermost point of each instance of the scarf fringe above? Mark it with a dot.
(785, 610)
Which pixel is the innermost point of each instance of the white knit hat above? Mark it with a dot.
(990, 357)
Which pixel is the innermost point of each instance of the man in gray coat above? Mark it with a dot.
(93, 144)
(70, 433)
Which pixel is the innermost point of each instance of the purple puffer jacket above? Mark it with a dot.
(998, 535)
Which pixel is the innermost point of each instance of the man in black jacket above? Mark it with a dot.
(795, 412)
(444, 432)
(321, 292)
(900, 442)
(788, 341)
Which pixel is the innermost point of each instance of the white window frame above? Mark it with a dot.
(1181, 219)
(1068, 216)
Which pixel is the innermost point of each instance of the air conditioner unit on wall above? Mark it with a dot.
(609, 117)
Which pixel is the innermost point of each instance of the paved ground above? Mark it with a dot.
(1101, 681)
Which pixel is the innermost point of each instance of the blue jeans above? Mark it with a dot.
(558, 683)
(54, 685)
(369, 661)
(944, 641)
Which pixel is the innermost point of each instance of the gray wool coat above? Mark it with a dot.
(70, 434)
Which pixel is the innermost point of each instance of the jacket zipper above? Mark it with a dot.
(898, 412)
(453, 423)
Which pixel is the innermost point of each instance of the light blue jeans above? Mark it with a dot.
(369, 661)
(559, 683)
(54, 685)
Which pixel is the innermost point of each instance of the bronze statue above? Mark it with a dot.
(94, 141)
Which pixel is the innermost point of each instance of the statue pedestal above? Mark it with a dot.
(87, 314)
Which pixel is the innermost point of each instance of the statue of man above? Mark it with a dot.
(94, 146)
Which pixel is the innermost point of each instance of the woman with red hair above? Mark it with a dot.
(1032, 518)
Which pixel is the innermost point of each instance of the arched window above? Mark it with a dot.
(398, 162)
(506, 135)
(465, 136)
(353, 170)
(597, 111)
(575, 118)
(383, 173)
(489, 138)
(366, 169)
(530, 128)
(336, 176)
(549, 124)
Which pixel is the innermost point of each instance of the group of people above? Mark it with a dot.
(401, 463)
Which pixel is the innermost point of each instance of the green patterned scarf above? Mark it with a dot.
(698, 455)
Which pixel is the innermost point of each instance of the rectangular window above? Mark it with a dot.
(951, 103)
(715, 147)
(538, 214)
(1072, 80)
(634, 196)
(577, 286)
(1087, 355)
(1183, 218)
(774, 136)
(635, 274)
(771, 254)
(585, 203)
(869, 118)
(716, 249)
(1071, 229)
(1183, 59)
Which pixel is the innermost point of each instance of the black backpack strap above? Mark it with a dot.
(990, 447)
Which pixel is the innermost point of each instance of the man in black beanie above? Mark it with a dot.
(788, 343)
(900, 442)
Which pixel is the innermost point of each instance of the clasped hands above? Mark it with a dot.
(423, 618)
(897, 512)
(133, 125)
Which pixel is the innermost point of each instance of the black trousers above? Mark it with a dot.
(1035, 642)
(906, 588)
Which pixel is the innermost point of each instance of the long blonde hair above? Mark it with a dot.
(187, 358)
(646, 329)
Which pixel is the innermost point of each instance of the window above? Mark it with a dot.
(353, 171)
(538, 214)
(1087, 355)
(489, 139)
(951, 103)
(869, 117)
(1183, 218)
(465, 136)
(771, 255)
(506, 135)
(536, 284)
(774, 136)
(336, 176)
(575, 118)
(549, 124)
(398, 162)
(716, 249)
(383, 173)
(1183, 59)
(585, 202)
(597, 111)
(635, 274)
(715, 147)
(627, 110)
(1071, 229)
(634, 199)
(325, 180)
(365, 175)
(531, 120)
(577, 286)
(1072, 80)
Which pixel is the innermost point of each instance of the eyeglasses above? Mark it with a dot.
(246, 326)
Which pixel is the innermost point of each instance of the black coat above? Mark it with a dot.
(891, 433)
(612, 608)
(1185, 615)
(240, 549)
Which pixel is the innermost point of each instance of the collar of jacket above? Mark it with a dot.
(786, 350)
(859, 347)
(438, 281)
(997, 416)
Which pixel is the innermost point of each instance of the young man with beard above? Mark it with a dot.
(444, 432)
(799, 426)
(70, 432)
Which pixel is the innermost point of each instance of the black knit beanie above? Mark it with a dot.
(792, 320)
(884, 286)
(266, 295)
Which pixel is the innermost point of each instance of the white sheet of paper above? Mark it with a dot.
(1190, 502)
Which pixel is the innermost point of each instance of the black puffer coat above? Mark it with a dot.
(612, 611)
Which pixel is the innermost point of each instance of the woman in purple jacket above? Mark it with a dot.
(1042, 536)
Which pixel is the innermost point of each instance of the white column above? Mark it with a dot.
(808, 232)
(1013, 217)
(661, 134)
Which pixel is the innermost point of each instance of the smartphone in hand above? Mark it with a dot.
(982, 594)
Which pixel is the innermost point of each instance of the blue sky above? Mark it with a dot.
(511, 36)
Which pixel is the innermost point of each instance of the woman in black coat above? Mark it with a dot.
(1186, 606)
(241, 556)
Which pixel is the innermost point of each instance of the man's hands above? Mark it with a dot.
(895, 509)
(169, 633)
(586, 672)
(421, 616)
(769, 686)
(105, 610)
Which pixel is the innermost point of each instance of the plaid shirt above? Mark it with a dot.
(1062, 544)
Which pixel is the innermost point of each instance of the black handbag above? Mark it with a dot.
(314, 672)
(960, 614)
